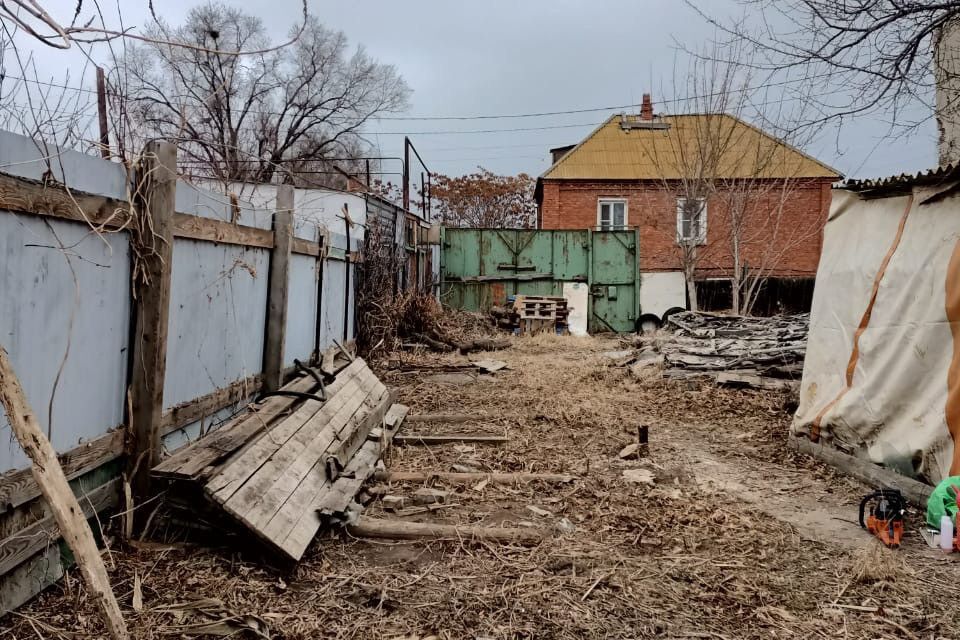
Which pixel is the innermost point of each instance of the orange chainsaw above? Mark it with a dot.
(887, 513)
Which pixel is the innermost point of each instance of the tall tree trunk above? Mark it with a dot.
(688, 274)
(736, 282)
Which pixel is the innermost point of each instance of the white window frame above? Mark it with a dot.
(611, 201)
(702, 235)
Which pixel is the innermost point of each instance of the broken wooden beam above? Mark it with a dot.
(367, 527)
(874, 475)
(483, 345)
(429, 439)
(450, 418)
(454, 477)
(63, 503)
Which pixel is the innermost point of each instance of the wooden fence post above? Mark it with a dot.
(154, 206)
(278, 290)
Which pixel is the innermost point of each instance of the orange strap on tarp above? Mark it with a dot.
(952, 408)
(862, 327)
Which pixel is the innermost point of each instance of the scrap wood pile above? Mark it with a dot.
(530, 315)
(291, 463)
(736, 350)
(418, 320)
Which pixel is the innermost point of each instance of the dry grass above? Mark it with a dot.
(678, 559)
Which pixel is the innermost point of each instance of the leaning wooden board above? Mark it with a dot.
(270, 484)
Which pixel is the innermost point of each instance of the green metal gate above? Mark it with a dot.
(482, 267)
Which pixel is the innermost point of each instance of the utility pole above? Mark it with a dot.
(102, 112)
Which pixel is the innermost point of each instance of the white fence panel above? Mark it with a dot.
(66, 308)
(217, 316)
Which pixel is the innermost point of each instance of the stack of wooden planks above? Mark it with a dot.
(536, 314)
(292, 461)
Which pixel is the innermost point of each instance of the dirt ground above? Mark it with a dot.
(736, 537)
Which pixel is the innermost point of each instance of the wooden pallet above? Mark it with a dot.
(538, 314)
(306, 457)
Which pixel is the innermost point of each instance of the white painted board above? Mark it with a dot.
(578, 296)
(662, 290)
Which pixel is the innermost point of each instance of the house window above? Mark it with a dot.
(611, 214)
(691, 220)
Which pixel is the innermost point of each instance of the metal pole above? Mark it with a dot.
(346, 286)
(406, 173)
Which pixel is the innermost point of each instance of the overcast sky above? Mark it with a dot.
(510, 57)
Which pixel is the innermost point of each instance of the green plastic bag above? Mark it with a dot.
(943, 501)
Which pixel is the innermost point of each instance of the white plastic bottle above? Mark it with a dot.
(946, 534)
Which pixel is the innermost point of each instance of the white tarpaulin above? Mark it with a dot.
(881, 378)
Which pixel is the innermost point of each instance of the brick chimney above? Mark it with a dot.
(646, 108)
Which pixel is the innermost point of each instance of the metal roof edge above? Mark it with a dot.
(902, 181)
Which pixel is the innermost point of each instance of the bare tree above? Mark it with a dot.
(860, 56)
(243, 117)
(689, 161)
(731, 174)
(32, 18)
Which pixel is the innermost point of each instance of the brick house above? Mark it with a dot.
(755, 197)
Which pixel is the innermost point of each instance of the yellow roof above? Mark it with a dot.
(671, 147)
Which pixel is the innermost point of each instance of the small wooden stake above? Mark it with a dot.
(643, 449)
(53, 484)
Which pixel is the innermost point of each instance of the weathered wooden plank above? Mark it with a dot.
(430, 439)
(19, 487)
(220, 231)
(342, 492)
(31, 197)
(445, 417)
(280, 479)
(34, 198)
(53, 483)
(462, 478)
(277, 290)
(243, 465)
(192, 460)
(310, 476)
(367, 527)
(396, 416)
(337, 497)
(306, 248)
(331, 497)
(249, 477)
(874, 475)
(21, 545)
(30, 578)
(187, 413)
(156, 194)
(339, 454)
